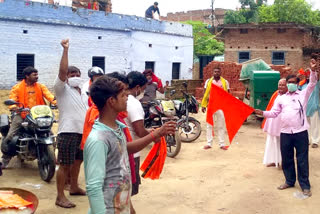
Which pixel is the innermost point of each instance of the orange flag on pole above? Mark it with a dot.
(235, 111)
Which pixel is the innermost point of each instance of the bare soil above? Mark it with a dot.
(196, 181)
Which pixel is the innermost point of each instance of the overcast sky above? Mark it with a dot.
(138, 7)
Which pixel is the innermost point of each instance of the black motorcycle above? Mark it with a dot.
(189, 127)
(159, 112)
(34, 140)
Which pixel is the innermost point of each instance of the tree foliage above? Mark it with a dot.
(298, 11)
(204, 42)
(234, 17)
(247, 14)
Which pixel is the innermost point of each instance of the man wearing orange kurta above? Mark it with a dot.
(29, 93)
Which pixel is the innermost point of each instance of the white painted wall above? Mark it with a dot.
(124, 41)
(44, 42)
(163, 52)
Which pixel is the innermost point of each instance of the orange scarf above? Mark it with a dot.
(23, 95)
(270, 104)
(91, 115)
(304, 73)
(302, 82)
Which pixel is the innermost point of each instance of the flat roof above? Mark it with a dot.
(28, 11)
(268, 25)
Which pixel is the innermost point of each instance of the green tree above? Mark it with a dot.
(204, 42)
(247, 14)
(234, 17)
(298, 11)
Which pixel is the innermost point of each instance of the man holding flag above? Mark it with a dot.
(222, 83)
(294, 126)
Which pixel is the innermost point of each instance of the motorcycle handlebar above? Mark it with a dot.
(19, 110)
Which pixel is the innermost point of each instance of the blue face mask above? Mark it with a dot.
(292, 87)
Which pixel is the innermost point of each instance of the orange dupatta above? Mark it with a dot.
(91, 115)
(270, 104)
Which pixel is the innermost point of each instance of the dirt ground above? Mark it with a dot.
(196, 181)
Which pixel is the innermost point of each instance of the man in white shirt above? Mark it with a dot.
(72, 112)
(135, 120)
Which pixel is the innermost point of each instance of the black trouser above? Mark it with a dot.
(6, 149)
(300, 142)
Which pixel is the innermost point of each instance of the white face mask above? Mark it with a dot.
(76, 82)
(140, 96)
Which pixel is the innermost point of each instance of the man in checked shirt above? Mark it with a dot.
(294, 126)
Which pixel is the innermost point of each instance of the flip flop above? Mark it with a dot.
(307, 192)
(78, 193)
(206, 147)
(284, 186)
(65, 204)
(224, 147)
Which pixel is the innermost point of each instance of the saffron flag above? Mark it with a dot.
(153, 164)
(235, 111)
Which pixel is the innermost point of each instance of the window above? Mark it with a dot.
(281, 30)
(278, 58)
(176, 70)
(244, 56)
(243, 31)
(98, 61)
(23, 61)
(150, 65)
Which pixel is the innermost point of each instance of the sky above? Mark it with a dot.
(139, 7)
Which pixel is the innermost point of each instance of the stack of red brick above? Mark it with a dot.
(231, 72)
(284, 70)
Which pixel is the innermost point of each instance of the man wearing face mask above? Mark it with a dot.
(135, 120)
(30, 93)
(72, 111)
(294, 134)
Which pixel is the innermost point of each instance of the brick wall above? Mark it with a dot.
(262, 42)
(231, 72)
(197, 15)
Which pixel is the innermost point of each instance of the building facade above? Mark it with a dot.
(31, 35)
(286, 44)
(204, 16)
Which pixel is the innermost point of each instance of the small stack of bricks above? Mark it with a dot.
(284, 70)
(231, 72)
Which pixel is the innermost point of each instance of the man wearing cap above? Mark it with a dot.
(151, 11)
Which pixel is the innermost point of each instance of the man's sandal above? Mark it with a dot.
(284, 186)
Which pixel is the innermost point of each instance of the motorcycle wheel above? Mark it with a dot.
(191, 131)
(173, 145)
(46, 164)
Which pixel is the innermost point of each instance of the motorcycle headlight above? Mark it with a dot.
(44, 122)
